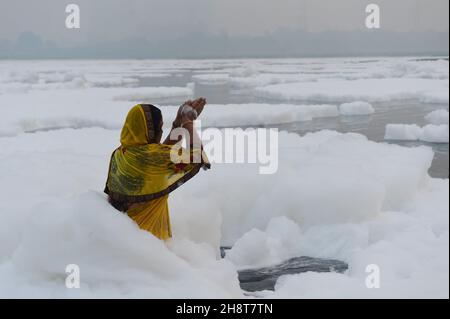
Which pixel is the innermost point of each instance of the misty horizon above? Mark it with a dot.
(280, 44)
(221, 29)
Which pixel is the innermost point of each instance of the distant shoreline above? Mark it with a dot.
(368, 56)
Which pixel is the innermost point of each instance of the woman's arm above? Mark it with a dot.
(173, 138)
(194, 139)
(176, 134)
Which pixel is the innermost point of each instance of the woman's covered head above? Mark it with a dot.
(142, 126)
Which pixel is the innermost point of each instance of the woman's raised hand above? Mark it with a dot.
(182, 116)
(179, 118)
(199, 105)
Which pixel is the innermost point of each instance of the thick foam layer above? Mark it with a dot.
(366, 90)
(334, 195)
(331, 197)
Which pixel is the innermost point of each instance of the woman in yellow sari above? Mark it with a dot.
(142, 171)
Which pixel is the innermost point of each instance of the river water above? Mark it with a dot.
(372, 126)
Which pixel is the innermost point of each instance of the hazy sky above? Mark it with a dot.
(106, 20)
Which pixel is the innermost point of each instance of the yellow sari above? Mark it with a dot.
(142, 173)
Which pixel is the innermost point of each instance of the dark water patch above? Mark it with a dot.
(265, 278)
(430, 59)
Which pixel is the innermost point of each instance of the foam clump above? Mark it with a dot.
(356, 108)
(411, 132)
(115, 258)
